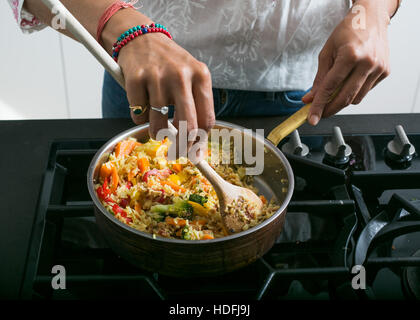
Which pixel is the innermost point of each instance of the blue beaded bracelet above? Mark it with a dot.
(142, 28)
(135, 32)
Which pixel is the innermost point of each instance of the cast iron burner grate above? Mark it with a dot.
(312, 258)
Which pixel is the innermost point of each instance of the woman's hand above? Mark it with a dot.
(354, 60)
(159, 72)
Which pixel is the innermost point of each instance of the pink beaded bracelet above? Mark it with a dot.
(134, 33)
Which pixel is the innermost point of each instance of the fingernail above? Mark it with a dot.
(314, 119)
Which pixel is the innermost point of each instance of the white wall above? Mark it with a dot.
(46, 75)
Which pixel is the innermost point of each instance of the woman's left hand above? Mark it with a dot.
(355, 59)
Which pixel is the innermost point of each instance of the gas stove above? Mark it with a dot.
(356, 203)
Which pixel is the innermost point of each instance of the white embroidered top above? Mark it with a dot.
(265, 45)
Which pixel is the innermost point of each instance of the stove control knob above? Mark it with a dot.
(295, 146)
(399, 152)
(337, 152)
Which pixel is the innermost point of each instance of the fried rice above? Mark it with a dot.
(172, 199)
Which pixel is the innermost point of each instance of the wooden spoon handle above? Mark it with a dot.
(289, 125)
(294, 121)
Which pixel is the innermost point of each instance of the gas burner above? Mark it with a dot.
(337, 152)
(348, 208)
(295, 145)
(411, 280)
(399, 152)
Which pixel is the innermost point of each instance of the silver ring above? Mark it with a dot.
(163, 110)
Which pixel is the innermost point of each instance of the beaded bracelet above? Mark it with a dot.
(132, 33)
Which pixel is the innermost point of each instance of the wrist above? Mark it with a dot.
(388, 7)
(120, 22)
(377, 11)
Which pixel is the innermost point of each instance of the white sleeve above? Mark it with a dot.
(27, 22)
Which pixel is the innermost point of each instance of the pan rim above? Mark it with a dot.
(126, 133)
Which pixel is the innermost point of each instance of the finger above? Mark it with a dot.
(308, 97)
(384, 75)
(368, 85)
(157, 99)
(185, 114)
(335, 76)
(203, 98)
(137, 96)
(348, 92)
(325, 62)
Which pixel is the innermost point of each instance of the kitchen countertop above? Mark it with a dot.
(24, 149)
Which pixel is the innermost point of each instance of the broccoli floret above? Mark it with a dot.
(158, 216)
(198, 199)
(180, 209)
(186, 233)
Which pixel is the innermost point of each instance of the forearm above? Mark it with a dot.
(88, 13)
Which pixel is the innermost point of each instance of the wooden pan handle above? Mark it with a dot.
(289, 125)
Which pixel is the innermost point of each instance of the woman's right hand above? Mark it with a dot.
(158, 72)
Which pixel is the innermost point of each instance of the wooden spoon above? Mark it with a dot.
(229, 194)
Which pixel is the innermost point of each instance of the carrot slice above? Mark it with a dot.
(143, 164)
(200, 222)
(177, 167)
(138, 208)
(177, 222)
(173, 186)
(114, 179)
(207, 237)
(263, 199)
(109, 170)
(105, 171)
(125, 147)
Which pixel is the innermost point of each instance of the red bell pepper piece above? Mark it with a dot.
(103, 192)
(124, 203)
(118, 210)
(162, 174)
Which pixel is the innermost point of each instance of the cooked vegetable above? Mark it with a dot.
(186, 233)
(162, 174)
(180, 209)
(173, 186)
(197, 198)
(157, 216)
(125, 147)
(198, 208)
(175, 179)
(177, 167)
(105, 171)
(207, 237)
(103, 192)
(114, 179)
(108, 170)
(141, 187)
(176, 222)
(143, 164)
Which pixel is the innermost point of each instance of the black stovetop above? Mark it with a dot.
(338, 208)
